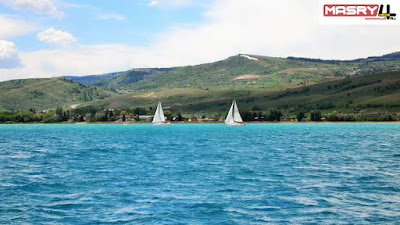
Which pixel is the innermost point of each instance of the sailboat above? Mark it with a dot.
(159, 118)
(233, 118)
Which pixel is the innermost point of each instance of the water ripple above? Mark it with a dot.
(200, 174)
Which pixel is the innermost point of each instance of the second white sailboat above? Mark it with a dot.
(233, 118)
(159, 118)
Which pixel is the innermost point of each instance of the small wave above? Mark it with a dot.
(206, 205)
(264, 208)
(20, 156)
(64, 204)
(302, 200)
(245, 212)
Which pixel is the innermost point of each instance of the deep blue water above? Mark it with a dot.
(200, 174)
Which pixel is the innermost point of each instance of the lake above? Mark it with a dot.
(200, 173)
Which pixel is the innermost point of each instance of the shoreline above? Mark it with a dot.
(253, 122)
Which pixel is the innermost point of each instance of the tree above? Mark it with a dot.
(274, 115)
(247, 116)
(300, 115)
(333, 116)
(80, 118)
(60, 114)
(140, 111)
(49, 117)
(256, 108)
(168, 114)
(180, 117)
(316, 115)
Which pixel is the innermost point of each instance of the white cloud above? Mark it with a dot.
(8, 55)
(54, 36)
(11, 27)
(38, 6)
(259, 27)
(80, 59)
(231, 27)
(153, 3)
(111, 16)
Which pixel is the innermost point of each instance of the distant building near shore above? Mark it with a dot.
(287, 119)
(126, 117)
(146, 117)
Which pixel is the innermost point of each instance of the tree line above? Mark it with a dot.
(93, 114)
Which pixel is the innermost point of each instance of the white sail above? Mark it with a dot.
(229, 117)
(236, 115)
(233, 117)
(159, 117)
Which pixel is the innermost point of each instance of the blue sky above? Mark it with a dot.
(47, 38)
(104, 21)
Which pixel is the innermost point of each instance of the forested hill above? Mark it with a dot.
(235, 77)
(375, 92)
(251, 71)
(48, 93)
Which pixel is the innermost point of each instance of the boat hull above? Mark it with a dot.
(161, 124)
(236, 124)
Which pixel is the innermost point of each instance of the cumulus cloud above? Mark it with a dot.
(10, 27)
(8, 55)
(38, 6)
(54, 36)
(80, 59)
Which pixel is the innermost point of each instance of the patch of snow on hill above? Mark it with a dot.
(249, 57)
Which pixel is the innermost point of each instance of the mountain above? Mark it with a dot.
(48, 93)
(248, 71)
(371, 92)
(255, 81)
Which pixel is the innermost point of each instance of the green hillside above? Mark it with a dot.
(246, 71)
(370, 92)
(266, 72)
(41, 94)
(255, 81)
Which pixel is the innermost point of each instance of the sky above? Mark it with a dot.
(49, 38)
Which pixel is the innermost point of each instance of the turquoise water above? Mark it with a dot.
(200, 174)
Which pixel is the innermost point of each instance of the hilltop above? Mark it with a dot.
(119, 80)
